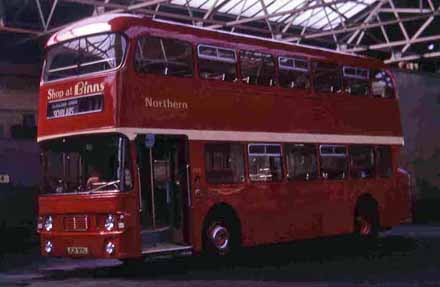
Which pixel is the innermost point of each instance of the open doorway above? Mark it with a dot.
(163, 171)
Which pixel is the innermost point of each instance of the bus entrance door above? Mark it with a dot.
(164, 178)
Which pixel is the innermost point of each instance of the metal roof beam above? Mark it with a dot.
(361, 27)
(282, 13)
(395, 44)
(98, 3)
(418, 33)
(370, 16)
(138, 6)
(402, 27)
(304, 5)
(412, 57)
(404, 10)
(211, 10)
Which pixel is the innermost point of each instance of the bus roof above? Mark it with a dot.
(121, 22)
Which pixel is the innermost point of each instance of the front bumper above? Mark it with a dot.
(95, 244)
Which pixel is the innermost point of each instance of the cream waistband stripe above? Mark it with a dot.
(213, 135)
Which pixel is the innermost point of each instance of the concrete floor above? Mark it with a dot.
(406, 256)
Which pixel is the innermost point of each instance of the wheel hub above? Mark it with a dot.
(365, 225)
(220, 237)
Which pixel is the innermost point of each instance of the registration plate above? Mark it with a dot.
(77, 250)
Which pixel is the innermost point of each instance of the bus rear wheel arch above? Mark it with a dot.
(366, 217)
(221, 233)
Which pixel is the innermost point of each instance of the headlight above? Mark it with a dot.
(110, 248)
(48, 223)
(109, 222)
(48, 247)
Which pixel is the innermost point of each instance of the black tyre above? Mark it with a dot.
(133, 263)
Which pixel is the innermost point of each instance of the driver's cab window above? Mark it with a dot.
(86, 163)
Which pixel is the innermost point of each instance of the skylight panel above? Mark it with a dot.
(284, 5)
(314, 18)
(253, 9)
(206, 5)
(232, 5)
(303, 17)
(317, 18)
(178, 2)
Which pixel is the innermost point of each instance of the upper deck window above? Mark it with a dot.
(327, 78)
(85, 55)
(356, 80)
(161, 56)
(257, 68)
(217, 63)
(382, 85)
(294, 73)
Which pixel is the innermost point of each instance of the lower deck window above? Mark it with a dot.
(224, 163)
(265, 162)
(384, 161)
(301, 161)
(362, 161)
(333, 160)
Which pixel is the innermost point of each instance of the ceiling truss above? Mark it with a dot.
(400, 30)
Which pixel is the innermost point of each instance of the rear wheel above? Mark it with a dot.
(367, 220)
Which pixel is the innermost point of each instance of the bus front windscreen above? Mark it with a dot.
(84, 55)
(92, 163)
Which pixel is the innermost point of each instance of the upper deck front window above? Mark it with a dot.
(85, 55)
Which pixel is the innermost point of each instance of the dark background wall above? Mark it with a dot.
(420, 114)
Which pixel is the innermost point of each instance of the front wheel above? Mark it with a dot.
(220, 237)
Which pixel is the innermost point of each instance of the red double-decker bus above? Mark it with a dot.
(165, 138)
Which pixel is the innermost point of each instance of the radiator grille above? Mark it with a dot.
(76, 223)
